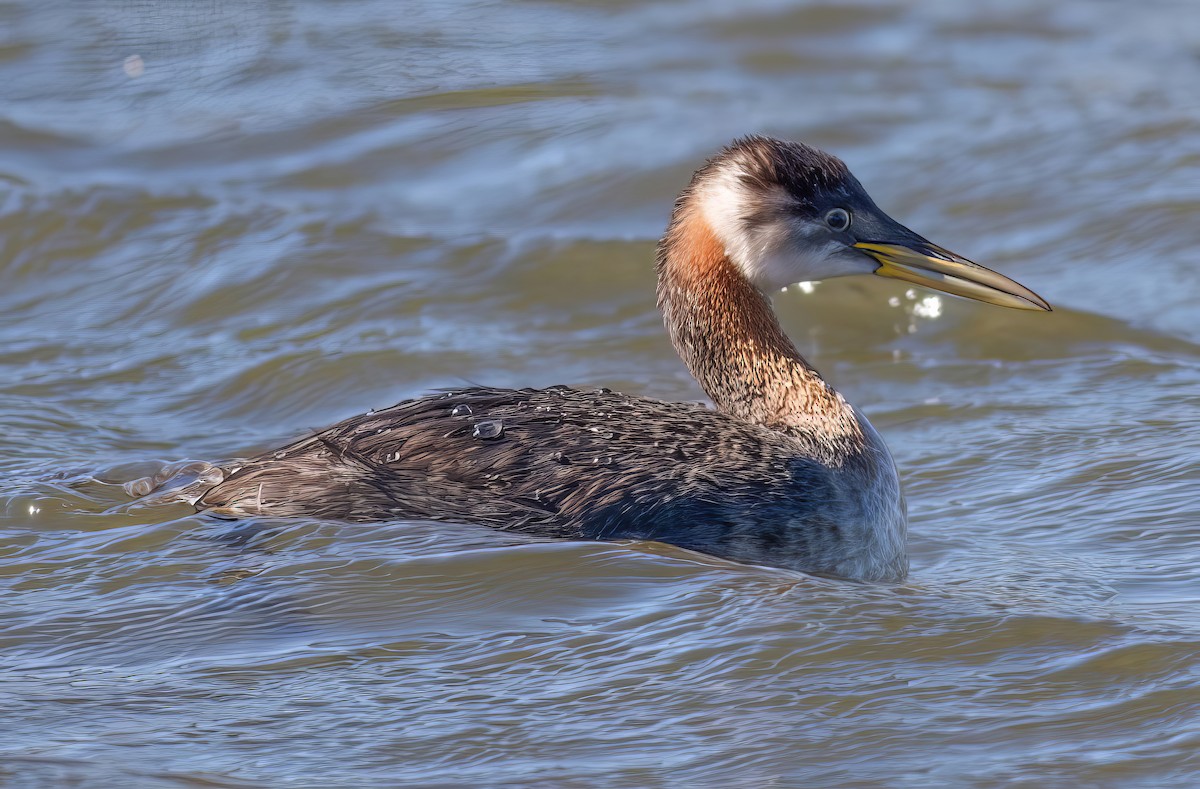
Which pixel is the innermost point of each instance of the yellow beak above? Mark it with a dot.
(942, 270)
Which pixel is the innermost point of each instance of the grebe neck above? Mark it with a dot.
(724, 329)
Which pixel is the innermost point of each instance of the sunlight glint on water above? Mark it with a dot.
(222, 226)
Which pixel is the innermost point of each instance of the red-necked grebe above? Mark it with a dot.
(784, 472)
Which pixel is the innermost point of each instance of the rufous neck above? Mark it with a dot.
(727, 334)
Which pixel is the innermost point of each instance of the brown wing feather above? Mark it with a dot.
(564, 463)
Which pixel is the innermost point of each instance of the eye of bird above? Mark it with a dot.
(838, 219)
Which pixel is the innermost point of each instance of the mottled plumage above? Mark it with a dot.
(568, 463)
(785, 472)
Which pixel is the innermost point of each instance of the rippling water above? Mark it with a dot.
(223, 224)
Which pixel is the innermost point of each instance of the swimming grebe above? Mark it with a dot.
(784, 472)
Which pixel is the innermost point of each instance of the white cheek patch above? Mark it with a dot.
(776, 260)
(724, 200)
(760, 251)
(789, 263)
(776, 253)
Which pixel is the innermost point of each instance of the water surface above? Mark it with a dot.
(222, 225)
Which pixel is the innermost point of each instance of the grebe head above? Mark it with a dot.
(786, 212)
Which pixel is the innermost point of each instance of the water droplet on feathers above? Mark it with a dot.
(461, 410)
(488, 429)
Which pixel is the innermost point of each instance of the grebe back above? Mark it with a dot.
(784, 472)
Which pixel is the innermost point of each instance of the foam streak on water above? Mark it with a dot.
(222, 225)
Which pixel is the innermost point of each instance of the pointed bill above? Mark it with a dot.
(940, 269)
